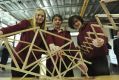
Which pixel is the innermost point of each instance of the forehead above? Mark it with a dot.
(56, 17)
(41, 12)
(76, 19)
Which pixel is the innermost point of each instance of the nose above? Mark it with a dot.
(78, 23)
(57, 21)
(39, 16)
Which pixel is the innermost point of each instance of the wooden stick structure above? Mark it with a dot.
(87, 43)
(107, 14)
(84, 7)
(107, 1)
(39, 62)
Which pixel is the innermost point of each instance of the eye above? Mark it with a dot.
(75, 21)
(40, 15)
(55, 19)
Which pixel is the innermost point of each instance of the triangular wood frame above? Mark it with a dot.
(39, 61)
(87, 45)
(107, 15)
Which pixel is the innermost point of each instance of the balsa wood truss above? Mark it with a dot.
(87, 43)
(108, 15)
(39, 62)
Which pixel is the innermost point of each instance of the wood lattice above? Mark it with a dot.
(107, 15)
(87, 43)
(39, 62)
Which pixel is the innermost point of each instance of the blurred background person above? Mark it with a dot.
(4, 56)
(116, 47)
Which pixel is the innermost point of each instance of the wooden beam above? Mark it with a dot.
(107, 1)
(83, 9)
(105, 15)
(103, 5)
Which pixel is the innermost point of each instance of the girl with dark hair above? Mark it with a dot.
(98, 51)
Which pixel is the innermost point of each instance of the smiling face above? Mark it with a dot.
(57, 22)
(77, 24)
(40, 17)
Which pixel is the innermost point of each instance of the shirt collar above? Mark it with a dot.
(60, 30)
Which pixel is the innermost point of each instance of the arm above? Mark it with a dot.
(1, 32)
(100, 38)
(115, 46)
(102, 48)
(50, 42)
(72, 47)
(20, 26)
(49, 38)
(82, 66)
(99, 41)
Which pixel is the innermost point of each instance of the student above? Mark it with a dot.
(38, 20)
(116, 47)
(5, 56)
(96, 55)
(55, 43)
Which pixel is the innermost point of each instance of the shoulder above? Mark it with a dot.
(25, 21)
(116, 40)
(24, 24)
(66, 32)
(86, 27)
(50, 30)
(97, 28)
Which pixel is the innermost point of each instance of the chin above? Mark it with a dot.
(39, 22)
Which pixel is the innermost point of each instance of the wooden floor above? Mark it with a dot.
(111, 77)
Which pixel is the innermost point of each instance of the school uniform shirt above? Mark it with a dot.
(116, 48)
(27, 37)
(95, 51)
(60, 42)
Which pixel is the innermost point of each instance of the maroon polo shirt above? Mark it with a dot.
(94, 52)
(27, 37)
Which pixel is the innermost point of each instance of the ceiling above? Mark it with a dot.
(12, 11)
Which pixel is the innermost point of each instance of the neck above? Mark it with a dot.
(39, 25)
(57, 28)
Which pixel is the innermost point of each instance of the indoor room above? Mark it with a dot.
(59, 39)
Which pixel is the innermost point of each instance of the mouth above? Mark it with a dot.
(39, 20)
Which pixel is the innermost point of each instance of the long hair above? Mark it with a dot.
(33, 20)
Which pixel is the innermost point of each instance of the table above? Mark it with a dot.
(110, 77)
